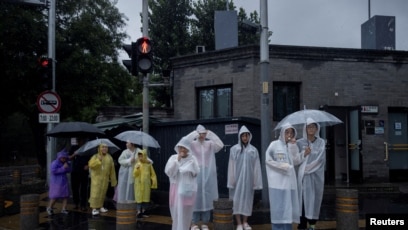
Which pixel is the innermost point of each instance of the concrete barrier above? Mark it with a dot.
(222, 214)
(126, 216)
(29, 213)
(347, 209)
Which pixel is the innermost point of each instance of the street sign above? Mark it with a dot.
(48, 118)
(48, 102)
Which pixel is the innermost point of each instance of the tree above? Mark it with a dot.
(169, 26)
(88, 75)
(177, 26)
(169, 29)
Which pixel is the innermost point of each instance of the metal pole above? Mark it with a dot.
(146, 77)
(265, 96)
(51, 54)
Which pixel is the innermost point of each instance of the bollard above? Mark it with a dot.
(17, 176)
(222, 214)
(29, 214)
(2, 202)
(347, 209)
(126, 216)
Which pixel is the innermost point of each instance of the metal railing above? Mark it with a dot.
(393, 147)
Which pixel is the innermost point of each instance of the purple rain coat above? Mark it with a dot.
(59, 186)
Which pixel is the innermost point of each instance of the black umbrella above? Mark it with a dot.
(75, 129)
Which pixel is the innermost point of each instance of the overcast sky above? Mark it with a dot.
(325, 23)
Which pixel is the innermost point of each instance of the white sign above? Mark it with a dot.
(231, 129)
(48, 117)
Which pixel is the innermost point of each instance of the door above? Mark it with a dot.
(355, 171)
(396, 152)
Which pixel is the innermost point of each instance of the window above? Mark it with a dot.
(214, 102)
(285, 99)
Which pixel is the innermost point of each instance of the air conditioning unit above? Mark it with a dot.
(200, 49)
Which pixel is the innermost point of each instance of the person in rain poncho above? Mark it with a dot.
(102, 170)
(244, 176)
(311, 173)
(59, 186)
(145, 180)
(127, 160)
(204, 146)
(281, 177)
(182, 169)
(79, 175)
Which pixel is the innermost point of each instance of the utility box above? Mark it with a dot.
(378, 33)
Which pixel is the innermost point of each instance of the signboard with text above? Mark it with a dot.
(48, 118)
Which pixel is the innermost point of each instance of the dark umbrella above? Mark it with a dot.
(75, 129)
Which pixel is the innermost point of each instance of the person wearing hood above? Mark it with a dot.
(204, 145)
(79, 175)
(125, 190)
(281, 177)
(145, 180)
(244, 177)
(59, 186)
(182, 169)
(102, 169)
(311, 173)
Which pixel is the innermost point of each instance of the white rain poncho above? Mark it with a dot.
(282, 183)
(311, 173)
(244, 175)
(125, 189)
(183, 186)
(207, 178)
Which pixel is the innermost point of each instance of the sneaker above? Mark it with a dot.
(103, 210)
(144, 215)
(194, 227)
(239, 227)
(204, 227)
(95, 212)
(64, 211)
(50, 211)
(247, 227)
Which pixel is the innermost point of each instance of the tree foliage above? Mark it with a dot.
(88, 35)
(176, 27)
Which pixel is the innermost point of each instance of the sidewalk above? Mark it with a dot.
(384, 198)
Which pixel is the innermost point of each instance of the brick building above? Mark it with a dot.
(366, 89)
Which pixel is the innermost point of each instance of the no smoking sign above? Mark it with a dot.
(49, 102)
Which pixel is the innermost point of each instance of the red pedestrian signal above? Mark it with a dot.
(144, 55)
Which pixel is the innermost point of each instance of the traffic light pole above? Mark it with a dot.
(51, 144)
(145, 27)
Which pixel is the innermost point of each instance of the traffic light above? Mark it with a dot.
(144, 55)
(45, 72)
(131, 65)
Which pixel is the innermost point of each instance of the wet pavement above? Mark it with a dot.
(380, 198)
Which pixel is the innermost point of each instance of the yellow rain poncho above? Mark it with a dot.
(102, 172)
(145, 178)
